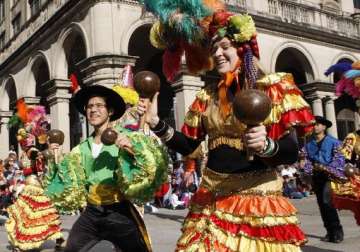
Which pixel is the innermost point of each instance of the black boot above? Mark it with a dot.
(326, 238)
(338, 236)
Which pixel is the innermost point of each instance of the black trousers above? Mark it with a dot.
(113, 223)
(329, 215)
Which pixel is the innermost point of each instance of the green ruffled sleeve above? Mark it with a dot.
(64, 183)
(141, 174)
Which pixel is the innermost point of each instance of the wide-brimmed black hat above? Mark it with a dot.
(113, 99)
(323, 121)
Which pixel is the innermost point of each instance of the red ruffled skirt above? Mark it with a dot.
(241, 212)
(33, 219)
(347, 196)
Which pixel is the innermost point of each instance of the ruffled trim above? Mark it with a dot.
(206, 233)
(32, 222)
(289, 109)
(240, 223)
(347, 196)
(347, 203)
(350, 189)
(197, 244)
(266, 221)
(142, 174)
(292, 119)
(192, 123)
(65, 183)
(279, 233)
(245, 205)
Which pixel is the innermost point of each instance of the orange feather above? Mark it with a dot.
(22, 110)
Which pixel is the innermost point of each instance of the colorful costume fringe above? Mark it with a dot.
(65, 184)
(245, 211)
(347, 195)
(226, 215)
(139, 177)
(33, 219)
(288, 107)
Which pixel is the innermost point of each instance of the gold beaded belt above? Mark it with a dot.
(259, 182)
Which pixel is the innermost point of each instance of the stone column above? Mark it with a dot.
(59, 99)
(317, 106)
(185, 89)
(4, 133)
(104, 70)
(357, 120)
(331, 115)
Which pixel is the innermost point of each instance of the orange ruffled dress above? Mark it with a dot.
(244, 211)
(347, 195)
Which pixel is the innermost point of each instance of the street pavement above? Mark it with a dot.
(164, 228)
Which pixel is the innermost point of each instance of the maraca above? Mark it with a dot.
(349, 170)
(109, 136)
(56, 136)
(251, 107)
(146, 83)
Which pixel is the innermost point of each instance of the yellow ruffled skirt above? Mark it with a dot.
(347, 196)
(241, 212)
(33, 219)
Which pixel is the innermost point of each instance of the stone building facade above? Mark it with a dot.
(42, 42)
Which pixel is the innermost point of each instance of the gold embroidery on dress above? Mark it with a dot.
(222, 140)
(215, 126)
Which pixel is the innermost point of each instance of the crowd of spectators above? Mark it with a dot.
(297, 184)
(12, 181)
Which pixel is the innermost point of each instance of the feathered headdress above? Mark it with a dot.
(350, 78)
(187, 28)
(180, 30)
(190, 27)
(32, 122)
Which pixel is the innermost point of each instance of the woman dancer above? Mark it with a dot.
(33, 218)
(239, 205)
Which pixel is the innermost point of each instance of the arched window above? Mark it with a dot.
(345, 123)
(293, 61)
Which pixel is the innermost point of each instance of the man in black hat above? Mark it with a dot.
(323, 154)
(108, 215)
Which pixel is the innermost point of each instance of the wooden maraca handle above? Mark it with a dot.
(56, 156)
(143, 117)
(250, 153)
(109, 136)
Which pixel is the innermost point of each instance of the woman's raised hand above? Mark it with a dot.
(255, 138)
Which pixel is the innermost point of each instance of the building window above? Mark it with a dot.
(345, 123)
(2, 10)
(2, 40)
(357, 4)
(16, 23)
(35, 6)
